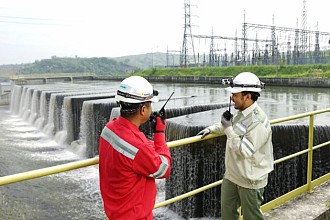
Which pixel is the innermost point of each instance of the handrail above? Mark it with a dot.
(47, 171)
(79, 164)
(272, 204)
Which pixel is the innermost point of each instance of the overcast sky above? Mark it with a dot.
(38, 29)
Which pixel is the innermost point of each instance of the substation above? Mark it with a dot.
(259, 44)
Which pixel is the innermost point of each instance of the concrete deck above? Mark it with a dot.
(314, 206)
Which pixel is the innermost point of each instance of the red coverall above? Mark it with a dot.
(128, 166)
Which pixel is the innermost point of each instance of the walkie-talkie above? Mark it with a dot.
(227, 113)
(161, 112)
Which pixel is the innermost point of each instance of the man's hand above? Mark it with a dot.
(226, 119)
(204, 132)
(162, 114)
(158, 122)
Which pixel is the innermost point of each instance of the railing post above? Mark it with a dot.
(310, 152)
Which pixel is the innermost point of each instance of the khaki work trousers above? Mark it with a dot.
(234, 196)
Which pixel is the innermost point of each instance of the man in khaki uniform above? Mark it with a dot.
(249, 150)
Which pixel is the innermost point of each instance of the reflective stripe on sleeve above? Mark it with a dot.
(247, 147)
(265, 123)
(162, 168)
(119, 144)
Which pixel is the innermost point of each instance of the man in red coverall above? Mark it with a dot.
(129, 162)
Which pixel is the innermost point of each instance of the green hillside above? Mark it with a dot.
(153, 64)
(97, 65)
(150, 60)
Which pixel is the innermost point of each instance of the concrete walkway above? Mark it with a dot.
(314, 206)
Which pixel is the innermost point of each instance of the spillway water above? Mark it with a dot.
(71, 195)
(74, 109)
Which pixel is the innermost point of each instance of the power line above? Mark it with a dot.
(16, 22)
(24, 18)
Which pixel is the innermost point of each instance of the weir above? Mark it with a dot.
(95, 114)
(72, 112)
(75, 115)
(83, 114)
(42, 105)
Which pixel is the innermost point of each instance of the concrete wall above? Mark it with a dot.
(298, 82)
(5, 99)
(5, 87)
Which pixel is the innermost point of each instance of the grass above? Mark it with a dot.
(287, 71)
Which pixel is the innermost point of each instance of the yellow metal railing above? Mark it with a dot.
(47, 171)
(308, 187)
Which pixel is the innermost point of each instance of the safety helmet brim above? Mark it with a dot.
(136, 89)
(242, 89)
(130, 100)
(245, 81)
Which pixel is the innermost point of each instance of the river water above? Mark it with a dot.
(75, 194)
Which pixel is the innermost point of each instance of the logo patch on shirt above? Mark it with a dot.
(242, 127)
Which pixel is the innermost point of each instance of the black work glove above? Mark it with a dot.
(226, 119)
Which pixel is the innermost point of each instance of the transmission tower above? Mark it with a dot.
(236, 56)
(244, 43)
(288, 53)
(317, 52)
(187, 37)
(273, 46)
(212, 52)
(296, 45)
(304, 30)
(256, 51)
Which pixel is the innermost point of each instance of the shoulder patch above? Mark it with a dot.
(259, 115)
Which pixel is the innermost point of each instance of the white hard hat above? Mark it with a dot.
(136, 89)
(245, 81)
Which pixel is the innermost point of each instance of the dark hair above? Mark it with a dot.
(254, 95)
(129, 109)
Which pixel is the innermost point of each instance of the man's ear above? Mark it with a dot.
(248, 95)
(142, 110)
